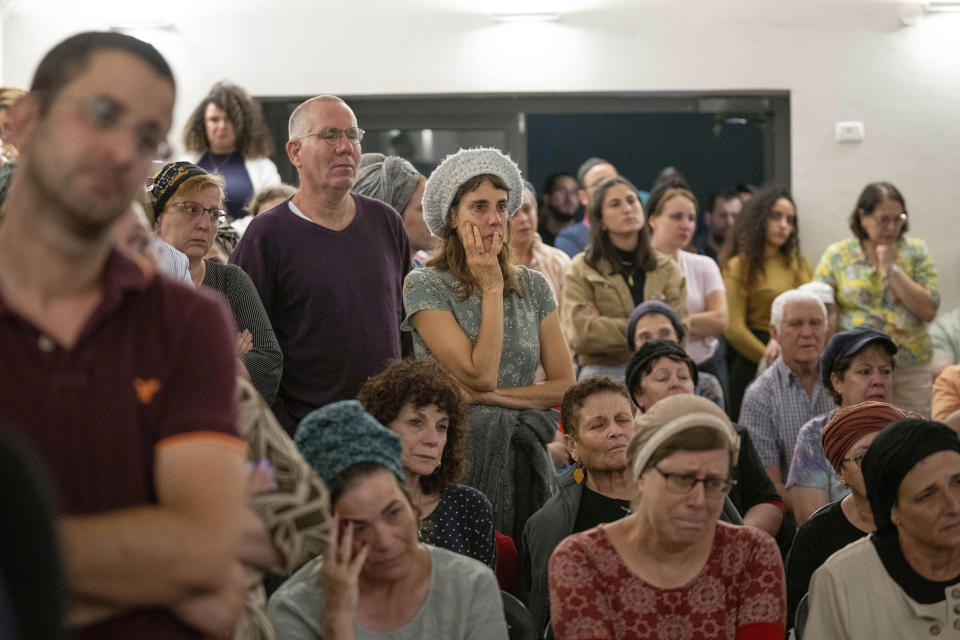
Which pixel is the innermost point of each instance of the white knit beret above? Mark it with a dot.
(459, 167)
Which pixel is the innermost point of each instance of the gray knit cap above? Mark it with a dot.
(458, 168)
(390, 179)
(337, 436)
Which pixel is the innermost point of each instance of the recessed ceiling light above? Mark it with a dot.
(525, 17)
(943, 5)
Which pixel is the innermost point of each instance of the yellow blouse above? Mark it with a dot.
(750, 309)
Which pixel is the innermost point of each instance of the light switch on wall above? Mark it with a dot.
(849, 131)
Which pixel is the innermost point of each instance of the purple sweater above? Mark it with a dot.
(333, 298)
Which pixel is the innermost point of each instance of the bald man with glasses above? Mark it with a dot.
(329, 265)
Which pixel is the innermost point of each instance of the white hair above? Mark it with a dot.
(793, 295)
(299, 123)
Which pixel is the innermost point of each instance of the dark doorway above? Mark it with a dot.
(708, 151)
(713, 138)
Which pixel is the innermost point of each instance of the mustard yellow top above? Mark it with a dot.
(751, 309)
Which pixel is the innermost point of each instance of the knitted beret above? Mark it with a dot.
(336, 437)
(458, 168)
(390, 179)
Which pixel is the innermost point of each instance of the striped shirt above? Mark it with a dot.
(774, 409)
(264, 362)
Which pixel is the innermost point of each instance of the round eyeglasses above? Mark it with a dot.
(332, 135)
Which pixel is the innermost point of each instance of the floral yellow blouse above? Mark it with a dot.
(864, 299)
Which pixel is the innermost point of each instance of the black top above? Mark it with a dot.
(264, 362)
(462, 522)
(826, 532)
(596, 508)
(633, 274)
(916, 586)
(234, 171)
(753, 485)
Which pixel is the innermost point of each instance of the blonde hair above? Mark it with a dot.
(196, 184)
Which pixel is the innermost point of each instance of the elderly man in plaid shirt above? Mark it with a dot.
(790, 392)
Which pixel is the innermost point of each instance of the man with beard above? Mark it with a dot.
(560, 205)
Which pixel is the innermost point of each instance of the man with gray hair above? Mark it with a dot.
(789, 393)
(329, 266)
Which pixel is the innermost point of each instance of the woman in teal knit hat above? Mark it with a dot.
(376, 579)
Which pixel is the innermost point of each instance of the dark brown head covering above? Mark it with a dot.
(849, 424)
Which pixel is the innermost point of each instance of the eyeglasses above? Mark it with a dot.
(857, 459)
(685, 482)
(105, 113)
(194, 210)
(888, 221)
(332, 135)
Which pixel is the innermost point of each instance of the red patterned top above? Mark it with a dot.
(738, 595)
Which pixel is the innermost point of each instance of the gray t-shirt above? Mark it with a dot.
(428, 288)
(463, 603)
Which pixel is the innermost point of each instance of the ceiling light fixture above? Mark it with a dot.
(525, 17)
(142, 25)
(942, 5)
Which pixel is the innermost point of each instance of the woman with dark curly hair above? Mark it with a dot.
(421, 403)
(760, 260)
(227, 134)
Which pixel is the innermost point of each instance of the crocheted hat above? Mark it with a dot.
(459, 167)
(336, 437)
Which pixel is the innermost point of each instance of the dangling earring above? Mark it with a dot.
(578, 471)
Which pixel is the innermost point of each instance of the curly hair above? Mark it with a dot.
(253, 135)
(421, 383)
(575, 396)
(452, 257)
(601, 247)
(749, 237)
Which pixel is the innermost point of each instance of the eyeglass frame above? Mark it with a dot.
(897, 221)
(728, 483)
(340, 134)
(857, 459)
(221, 217)
(157, 150)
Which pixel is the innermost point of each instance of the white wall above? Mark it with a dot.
(840, 60)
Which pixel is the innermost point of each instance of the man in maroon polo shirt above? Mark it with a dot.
(122, 380)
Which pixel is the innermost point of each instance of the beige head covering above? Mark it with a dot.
(671, 416)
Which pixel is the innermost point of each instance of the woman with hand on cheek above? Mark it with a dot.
(375, 579)
(491, 325)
